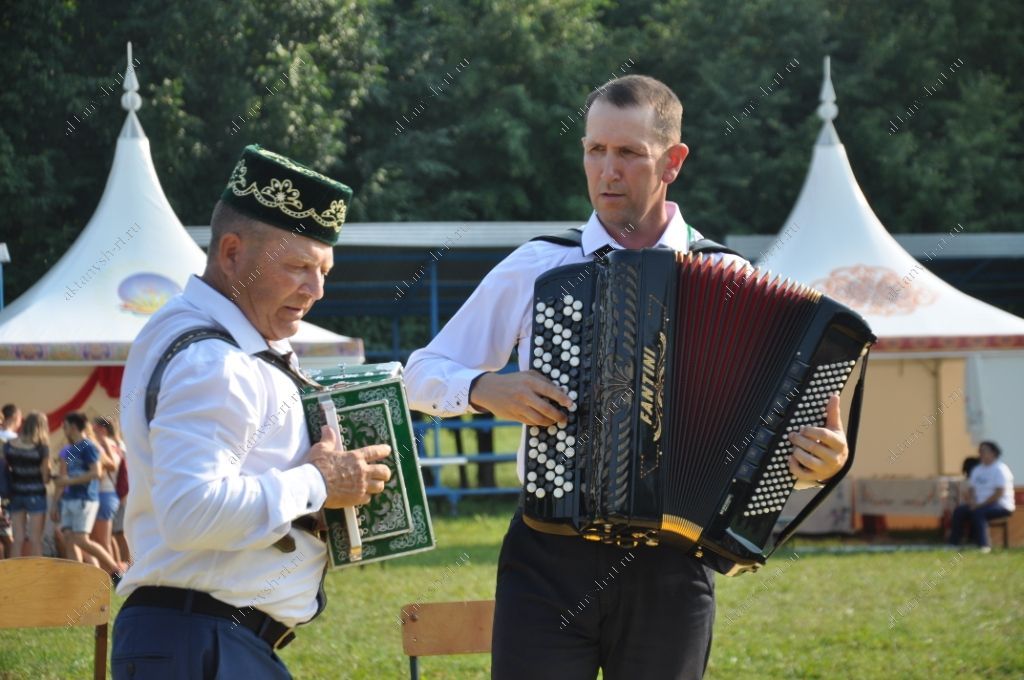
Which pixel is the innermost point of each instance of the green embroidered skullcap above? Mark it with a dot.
(282, 193)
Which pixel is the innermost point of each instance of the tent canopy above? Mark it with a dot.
(133, 255)
(833, 241)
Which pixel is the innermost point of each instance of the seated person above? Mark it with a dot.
(990, 496)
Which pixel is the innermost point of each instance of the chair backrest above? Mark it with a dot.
(43, 592)
(447, 627)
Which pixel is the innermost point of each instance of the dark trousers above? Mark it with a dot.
(155, 643)
(566, 607)
(978, 518)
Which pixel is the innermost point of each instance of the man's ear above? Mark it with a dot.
(676, 154)
(229, 253)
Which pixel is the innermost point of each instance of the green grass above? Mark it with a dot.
(803, 616)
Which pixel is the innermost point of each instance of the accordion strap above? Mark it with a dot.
(853, 427)
(573, 238)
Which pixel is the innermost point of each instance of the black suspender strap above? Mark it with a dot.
(193, 335)
(179, 344)
(573, 238)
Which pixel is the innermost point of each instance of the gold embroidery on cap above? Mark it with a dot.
(280, 194)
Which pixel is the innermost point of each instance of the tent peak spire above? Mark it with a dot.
(130, 100)
(828, 110)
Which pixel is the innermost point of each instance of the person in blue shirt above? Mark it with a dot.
(80, 474)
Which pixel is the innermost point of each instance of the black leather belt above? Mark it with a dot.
(271, 631)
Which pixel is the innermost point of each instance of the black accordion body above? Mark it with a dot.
(687, 375)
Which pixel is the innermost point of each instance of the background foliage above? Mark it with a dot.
(489, 145)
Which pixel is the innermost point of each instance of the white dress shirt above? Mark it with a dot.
(497, 318)
(217, 476)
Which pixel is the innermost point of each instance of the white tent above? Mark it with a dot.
(133, 255)
(915, 419)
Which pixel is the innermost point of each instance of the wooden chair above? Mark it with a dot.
(1002, 525)
(437, 628)
(43, 592)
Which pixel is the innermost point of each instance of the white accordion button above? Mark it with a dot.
(531, 476)
(552, 430)
(541, 492)
(574, 361)
(541, 306)
(578, 304)
(559, 469)
(558, 493)
(531, 487)
(567, 487)
(541, 458)
(567, 300)
(549, 475)
(576, 316)
(534, 430)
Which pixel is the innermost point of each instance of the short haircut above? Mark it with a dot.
(630, 91)
(9, 411)
(225, 219)
(77, 419)
(993, 446)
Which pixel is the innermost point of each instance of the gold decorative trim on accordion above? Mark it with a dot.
(681, 527)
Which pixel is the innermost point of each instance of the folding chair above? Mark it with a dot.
(438, 628)
(43, 592)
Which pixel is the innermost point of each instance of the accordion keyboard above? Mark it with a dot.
(773, 490)
(550, 451)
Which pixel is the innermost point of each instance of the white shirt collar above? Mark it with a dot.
(226, 314)
(675, 236)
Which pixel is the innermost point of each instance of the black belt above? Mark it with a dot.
(271, 631)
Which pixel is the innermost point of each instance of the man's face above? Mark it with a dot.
(628, 168)
(291, 271)
(987, 455)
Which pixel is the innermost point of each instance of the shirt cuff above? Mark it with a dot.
(298, 491)
(456, 398)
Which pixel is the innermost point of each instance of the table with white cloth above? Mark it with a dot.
(929, 497)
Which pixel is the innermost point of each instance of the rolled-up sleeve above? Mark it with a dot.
(478, 339)
(200, 498)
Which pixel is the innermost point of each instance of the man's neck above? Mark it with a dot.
(645, 234)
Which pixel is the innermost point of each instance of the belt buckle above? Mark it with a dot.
(284, 640)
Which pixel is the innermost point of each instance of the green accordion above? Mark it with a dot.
(370, 405)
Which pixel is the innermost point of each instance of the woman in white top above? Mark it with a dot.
(111, 454)
(990, 497)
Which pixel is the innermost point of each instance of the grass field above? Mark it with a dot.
(892, 615)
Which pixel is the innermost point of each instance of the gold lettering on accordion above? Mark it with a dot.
(652, 386)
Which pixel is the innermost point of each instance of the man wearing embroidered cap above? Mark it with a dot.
(223, 478)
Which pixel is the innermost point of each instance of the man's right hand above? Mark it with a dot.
(351, 477)
(522, 396)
